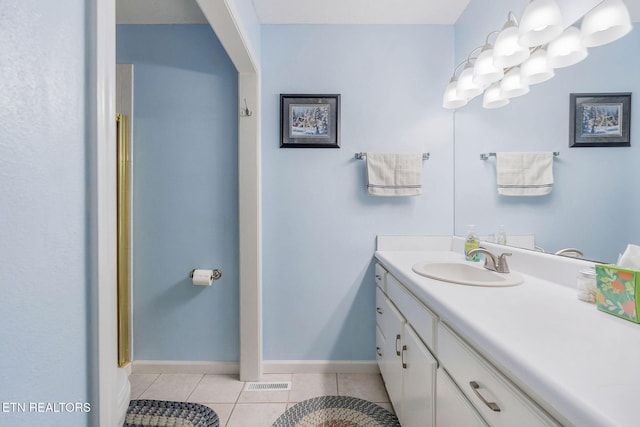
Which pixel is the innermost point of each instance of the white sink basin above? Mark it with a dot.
(466, 274)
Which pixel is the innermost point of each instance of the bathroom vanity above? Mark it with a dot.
(527, 355)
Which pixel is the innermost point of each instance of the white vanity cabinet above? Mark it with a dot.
(407, 366)
(433, 377)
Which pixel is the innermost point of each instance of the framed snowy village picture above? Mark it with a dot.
(600, 120)
(309, 121)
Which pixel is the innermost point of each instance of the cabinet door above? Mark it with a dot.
(380, 347)
(380, 297)
(391, 367)
(418, 382)
(452, 407)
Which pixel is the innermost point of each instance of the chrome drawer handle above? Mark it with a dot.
(379, 310)
(492, 405)
(404, 365)
(378, 351)
(397, 340)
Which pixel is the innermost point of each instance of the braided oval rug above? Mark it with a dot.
(336, 411)
(163, 413)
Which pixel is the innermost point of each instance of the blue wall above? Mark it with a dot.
(591, 206)
(43, 219)
(319, 224)
(185, 195)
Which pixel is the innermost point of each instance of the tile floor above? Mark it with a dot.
(237, 408)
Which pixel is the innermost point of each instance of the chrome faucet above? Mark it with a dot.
(492, 262)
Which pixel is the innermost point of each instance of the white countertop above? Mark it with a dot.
(580, 364)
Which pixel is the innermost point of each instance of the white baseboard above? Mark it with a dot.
(268, 367)
(123, 395)
(183, 367)
(320, 367)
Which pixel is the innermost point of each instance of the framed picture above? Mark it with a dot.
(309, 121)
(600, 120)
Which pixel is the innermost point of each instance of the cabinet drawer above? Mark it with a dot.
(379, 307)
(452, 407)
(420, 317)
(381, 275)
(493, 395)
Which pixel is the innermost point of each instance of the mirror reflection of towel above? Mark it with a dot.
(394, 174)
(525, 173)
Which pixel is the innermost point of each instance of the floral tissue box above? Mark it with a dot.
(616, 292)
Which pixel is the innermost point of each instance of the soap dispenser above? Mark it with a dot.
(471, 242)
(501, 235)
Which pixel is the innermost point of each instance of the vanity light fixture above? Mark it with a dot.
(467, 88)
(507, 51)
(512, 85)
(541, 22)
(492, 97)
(450, 99)
(526, 53)
(567, 49)
(605, 23)
(484, 70)
(536, 69)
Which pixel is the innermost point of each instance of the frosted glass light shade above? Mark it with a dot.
(511, 85)
(451, 99)
(484, 71)
(536, 69)
(466, 87)
(492, 97)
(541, 22)
(567, 49)
(605, 23)
(507, 52)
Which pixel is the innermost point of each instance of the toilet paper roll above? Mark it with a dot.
(202, 277)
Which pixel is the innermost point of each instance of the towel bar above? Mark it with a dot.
(361, 156)
(485, 156)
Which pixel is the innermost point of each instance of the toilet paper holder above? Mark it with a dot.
(215, 274)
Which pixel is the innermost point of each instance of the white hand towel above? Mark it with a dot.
(394, 174)
(524, 174)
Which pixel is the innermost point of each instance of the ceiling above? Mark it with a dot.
(300, 11)
(309, 12)
(359, 11)
(159, 12)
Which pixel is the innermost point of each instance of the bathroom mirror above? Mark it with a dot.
(594, 205)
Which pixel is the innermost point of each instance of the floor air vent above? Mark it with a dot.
(268, 386)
